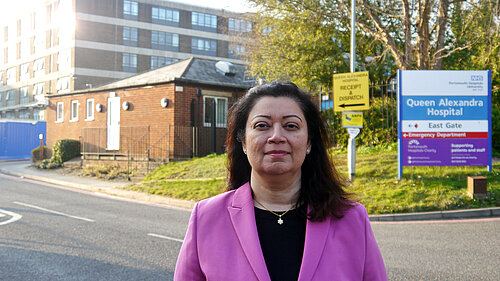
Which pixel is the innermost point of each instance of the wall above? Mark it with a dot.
(18, 139)
(144, 110)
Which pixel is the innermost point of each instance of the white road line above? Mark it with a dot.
(52, 211)
(14, 216)
(165, 237)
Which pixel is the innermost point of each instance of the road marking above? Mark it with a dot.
(14, 216)
(52, 211)
(166, 237)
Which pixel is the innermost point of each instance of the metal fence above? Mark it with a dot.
(380, 121)
(94, 141)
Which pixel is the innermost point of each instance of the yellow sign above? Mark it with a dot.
(350, 91)
(352, 119)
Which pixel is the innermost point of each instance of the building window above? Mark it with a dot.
(26, 25)
(129, 62)
(217, 104)
(25, 72)
(38, 114)
(11, 75)
(74, 110)
(236, 51)
(39, 67)
(129, 36)
(239, 25)
(12, 31)
(39, 43)
(89, 112)
(164, 41)
(10, 115)
(24, 114)
(161, 61)
(10, 97)
(204, 46)
(165, 16)
(40, 20)
(11, 53)
(62, 84)
(24, 48)
(205, 22)
(24, 96)
(60, 112)
(130, 9)
(38, 91)
(64, 60)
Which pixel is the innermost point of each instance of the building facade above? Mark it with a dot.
(173, 112)
(67, 45)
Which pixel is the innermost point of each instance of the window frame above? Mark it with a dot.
(130, 9)
(156, 17)
(130, 36)
(218, 123)
(91, 108)
(204, 21)
(10, 97)
(24, 95)
(204, 51)
(59, 114)
(129, 62)
(73, 117)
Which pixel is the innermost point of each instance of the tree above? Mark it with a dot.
(306, 39)
(477, 25)
(307, 42)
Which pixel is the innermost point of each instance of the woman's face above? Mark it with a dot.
(276, 138)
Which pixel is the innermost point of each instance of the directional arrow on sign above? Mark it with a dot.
(353, 104)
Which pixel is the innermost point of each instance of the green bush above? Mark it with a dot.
(35, 154)
(64, 150)
(49, 164)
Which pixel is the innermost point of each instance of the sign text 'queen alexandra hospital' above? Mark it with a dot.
(444, 118)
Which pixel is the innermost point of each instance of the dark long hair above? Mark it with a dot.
(322, 188)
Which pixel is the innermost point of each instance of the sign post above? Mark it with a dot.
(351, 92)
(444, 118)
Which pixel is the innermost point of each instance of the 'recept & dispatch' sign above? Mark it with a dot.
(444, 118)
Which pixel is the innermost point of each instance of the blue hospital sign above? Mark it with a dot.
(444, 118)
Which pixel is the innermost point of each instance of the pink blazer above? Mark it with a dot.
(222, 243)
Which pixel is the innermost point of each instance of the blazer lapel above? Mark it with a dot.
(316, 236)
(243, 218)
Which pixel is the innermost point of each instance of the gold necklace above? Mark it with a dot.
(280, 220)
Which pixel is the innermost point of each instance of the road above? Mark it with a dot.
(52, 233)
(67, 235)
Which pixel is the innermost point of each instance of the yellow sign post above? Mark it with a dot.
(352, 119)
(351, 91)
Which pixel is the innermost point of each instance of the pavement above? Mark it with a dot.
(24, 169)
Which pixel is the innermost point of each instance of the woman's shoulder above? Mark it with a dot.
(355, 212)
(219, 200)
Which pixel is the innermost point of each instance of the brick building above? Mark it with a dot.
(176, 111)
(67, 45)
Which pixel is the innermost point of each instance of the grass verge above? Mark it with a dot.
(376, 185)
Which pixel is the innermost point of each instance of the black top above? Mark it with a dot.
(282, 244)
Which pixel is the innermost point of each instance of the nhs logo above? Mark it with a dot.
(476, 77)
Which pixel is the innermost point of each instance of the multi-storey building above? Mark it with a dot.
(66, 45)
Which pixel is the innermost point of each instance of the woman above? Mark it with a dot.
(286, 215)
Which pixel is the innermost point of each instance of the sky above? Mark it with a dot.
(12, 7)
